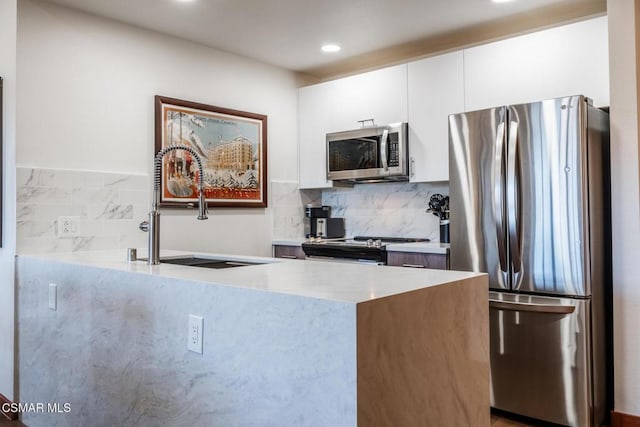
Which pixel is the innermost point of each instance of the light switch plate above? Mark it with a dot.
(194, 333)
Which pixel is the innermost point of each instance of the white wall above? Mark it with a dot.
(625, 203)
(86, 103)
(8, 20)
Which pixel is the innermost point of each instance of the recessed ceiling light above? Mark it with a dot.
(185, 1)
(330, 48)
(501, 1)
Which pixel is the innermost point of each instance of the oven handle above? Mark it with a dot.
(383, 149)
(343, 260)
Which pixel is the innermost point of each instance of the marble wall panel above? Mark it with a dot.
(116, 351)
(107, 208)
(288, 203)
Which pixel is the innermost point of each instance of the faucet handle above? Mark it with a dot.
(144, 226)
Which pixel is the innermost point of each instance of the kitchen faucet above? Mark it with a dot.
(153, 225)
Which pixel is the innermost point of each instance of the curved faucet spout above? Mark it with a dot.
(154, 214)
(157, 176)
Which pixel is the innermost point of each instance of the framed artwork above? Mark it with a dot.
(231, 144)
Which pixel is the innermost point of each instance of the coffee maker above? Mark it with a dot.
(318, 223)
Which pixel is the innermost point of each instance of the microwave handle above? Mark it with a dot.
(383, 149)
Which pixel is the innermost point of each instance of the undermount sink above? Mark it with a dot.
(194, 261)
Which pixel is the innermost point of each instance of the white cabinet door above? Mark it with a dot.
(568, 60)
(436, 89)
(380, 95)
(337, 105)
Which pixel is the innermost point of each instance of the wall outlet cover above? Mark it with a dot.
(68, 226)
(53, 296)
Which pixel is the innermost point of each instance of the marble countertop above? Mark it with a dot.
(420, 247)
(337, 281)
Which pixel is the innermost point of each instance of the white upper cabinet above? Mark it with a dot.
(436, 89)
(380, 95)
(568, 60)
(337, 105)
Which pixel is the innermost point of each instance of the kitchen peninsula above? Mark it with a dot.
(287, 342)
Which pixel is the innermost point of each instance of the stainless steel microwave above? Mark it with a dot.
(369, 154)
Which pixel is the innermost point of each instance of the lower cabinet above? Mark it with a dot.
(418, 260)
(285, 251)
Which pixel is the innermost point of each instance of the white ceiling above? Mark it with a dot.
(289, 33)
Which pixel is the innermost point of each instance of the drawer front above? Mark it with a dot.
(417, 260)
(291, 252)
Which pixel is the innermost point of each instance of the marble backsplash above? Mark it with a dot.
(106, 208)
(386, 209)
(288, 204)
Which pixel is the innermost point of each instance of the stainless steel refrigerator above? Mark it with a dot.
(529, 206)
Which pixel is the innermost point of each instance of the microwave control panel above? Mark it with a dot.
(394, 154)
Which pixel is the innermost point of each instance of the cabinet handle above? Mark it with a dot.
(412, 167)
(288, 256)
(413, 265)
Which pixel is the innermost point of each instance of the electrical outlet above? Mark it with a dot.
(53, 296)
(194, 333)
(68, 226)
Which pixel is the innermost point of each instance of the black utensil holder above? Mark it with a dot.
(444, 231)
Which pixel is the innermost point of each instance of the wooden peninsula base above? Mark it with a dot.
(423, 357)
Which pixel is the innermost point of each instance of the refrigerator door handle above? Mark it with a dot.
(498, 198)
(512, 204)
(530, 307)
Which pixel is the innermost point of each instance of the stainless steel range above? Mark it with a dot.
(368, 249)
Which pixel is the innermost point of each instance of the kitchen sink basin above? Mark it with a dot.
(194, 261)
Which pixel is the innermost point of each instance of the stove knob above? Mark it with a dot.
(369, 243)
(378, 243)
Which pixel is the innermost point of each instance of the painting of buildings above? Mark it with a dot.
(231, 148)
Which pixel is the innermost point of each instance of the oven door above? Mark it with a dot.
(367, 153)
(345, 253)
